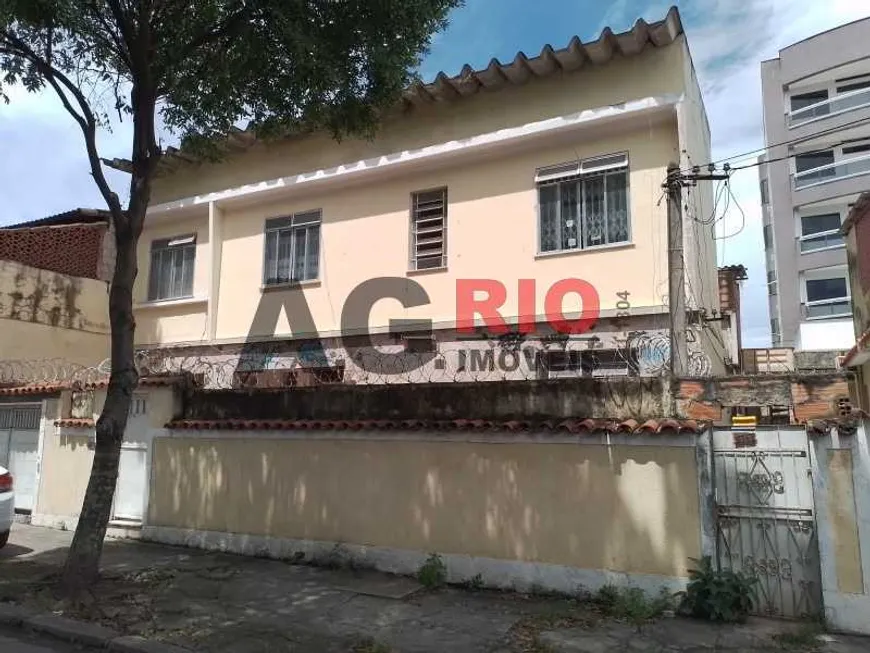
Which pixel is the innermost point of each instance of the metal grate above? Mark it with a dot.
(429, 229)
(20, 417)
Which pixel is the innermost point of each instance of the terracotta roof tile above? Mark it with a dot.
(74, 423)
(50, 388)
(578, 426)
(32, 389)
(496, 75)
(155, 380)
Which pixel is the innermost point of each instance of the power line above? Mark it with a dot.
(793, 141)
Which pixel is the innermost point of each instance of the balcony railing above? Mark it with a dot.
(832, 106)
(839, 307)
(859, 165)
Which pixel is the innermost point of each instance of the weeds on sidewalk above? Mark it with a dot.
(805, 638)
(632, 604)
(433, 572)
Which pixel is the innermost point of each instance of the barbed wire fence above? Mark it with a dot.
(271, 365)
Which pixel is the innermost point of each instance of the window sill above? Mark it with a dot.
(587, 250)
(290, 285)
(414, 273)
(168, 303)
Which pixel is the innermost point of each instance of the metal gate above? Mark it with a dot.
(764, 517)
(19, 450)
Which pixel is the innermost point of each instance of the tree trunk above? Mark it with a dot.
(82, 564)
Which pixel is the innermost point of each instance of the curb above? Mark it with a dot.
(81, 632)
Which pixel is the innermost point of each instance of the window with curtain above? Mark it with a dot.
(292, 248)
(171, 273)
(584, 204)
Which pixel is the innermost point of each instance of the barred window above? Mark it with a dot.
(171, 274)
(584, 204)
(292, 248)
(429, 229)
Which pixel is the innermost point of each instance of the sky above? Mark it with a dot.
(43, 168)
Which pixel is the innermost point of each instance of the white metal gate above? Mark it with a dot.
(132, 486)
(19, 449)
(765, 520)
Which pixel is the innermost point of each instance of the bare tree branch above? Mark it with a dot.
(84, 116)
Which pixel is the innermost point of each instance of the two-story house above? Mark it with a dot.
(548, 168)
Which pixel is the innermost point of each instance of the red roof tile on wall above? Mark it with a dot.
(75, 423)
(578, 426)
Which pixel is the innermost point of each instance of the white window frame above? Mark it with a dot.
(840, 158)
(576, 171)
(290, 224)
(832, 87)
(819, 234)
(820, 274)
(173, 244)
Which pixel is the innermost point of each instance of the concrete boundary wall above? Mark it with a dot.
(841, 488)
(503, 574)
(556, 512)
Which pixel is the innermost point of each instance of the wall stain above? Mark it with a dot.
(42, 297)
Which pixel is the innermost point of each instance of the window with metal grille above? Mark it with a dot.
(24, 418)
(171, 274)
(584, 204)
(429, 229)
(292, 248)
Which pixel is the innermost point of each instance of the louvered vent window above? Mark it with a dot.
(429, 229)
(584, 204)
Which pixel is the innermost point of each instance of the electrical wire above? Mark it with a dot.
(792, 141)
(742, 217)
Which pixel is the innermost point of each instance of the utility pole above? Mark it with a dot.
(676, 273)
(676, 261)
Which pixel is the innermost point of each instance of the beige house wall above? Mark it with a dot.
(631, 509)
(841, 489)
(492, 204)
(657, 72)
(67, 457)
(492, 233)
(45, 315)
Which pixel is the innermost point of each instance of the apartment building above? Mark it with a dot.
(816, 98)
(546, 168)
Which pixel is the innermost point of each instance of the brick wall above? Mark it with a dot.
(810, 396)
(76, 250)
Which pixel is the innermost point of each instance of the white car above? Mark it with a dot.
(7, 505)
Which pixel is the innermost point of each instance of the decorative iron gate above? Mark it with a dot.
(764, 517)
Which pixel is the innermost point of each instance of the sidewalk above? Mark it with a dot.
(232, 604)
